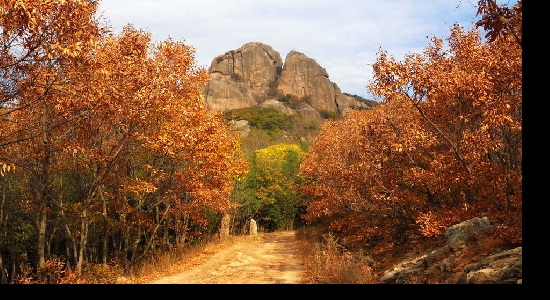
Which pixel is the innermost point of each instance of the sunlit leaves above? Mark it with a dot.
(276, 168)
(5, 168)
(268, 192)
(112, 127)
(444, 146)
(500, 20)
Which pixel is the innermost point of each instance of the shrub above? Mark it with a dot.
(325, 114)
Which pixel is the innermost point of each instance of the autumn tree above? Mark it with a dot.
(444, 146)
(501, 21)
(470, 99)
(156, 158)
(110, 138)
(44, 44)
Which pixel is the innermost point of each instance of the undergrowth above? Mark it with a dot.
(325, 260)
(328, 262)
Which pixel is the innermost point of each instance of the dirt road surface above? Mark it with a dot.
(253, 259)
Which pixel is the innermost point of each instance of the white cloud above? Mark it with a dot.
(343, 36)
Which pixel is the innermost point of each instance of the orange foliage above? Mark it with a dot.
(501, 21)
(112, 128)
(444, 146)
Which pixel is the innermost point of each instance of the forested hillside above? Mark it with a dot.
(109, 156)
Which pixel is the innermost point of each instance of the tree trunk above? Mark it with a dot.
(105, 228)
(83, 239)
(45, 192)
(181, 232)
(3, 269)
(71, 243)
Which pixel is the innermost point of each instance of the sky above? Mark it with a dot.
(343, 36)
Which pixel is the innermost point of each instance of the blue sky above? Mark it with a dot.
(343, 36)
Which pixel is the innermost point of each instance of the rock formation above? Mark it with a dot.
(500, 267)
(253, 227)
(254, 76)
(242, 77)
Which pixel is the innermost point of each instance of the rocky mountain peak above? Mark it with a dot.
(254, 76)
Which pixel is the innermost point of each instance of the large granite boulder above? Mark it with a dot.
(243, 77)
(254, 76)
(460, 234)
(305, 78)
(504, 266)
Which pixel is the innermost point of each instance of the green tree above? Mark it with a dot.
(268, 193)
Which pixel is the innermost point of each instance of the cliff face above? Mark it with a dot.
(242, 77)
(254, 76)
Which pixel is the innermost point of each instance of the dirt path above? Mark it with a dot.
(261, 258)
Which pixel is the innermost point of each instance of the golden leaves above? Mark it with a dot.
(501, 21)
(430, 149)
(430, 225)
(140, 187)
(5, 168)
(127, 99)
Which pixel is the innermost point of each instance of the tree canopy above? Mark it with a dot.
(269, 192)
(115, 152)
(109, 155)
(445, 145)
